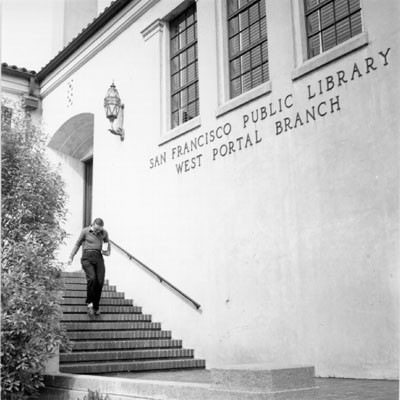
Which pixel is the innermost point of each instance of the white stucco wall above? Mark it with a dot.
(290, 245)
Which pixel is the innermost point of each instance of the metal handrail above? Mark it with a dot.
(159, 277)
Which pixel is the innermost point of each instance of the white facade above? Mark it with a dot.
(285, 231)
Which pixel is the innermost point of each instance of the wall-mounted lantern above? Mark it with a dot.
(114, 108)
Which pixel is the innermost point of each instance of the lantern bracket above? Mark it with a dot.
(119, 131)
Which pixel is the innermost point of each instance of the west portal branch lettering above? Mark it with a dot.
(222, 141)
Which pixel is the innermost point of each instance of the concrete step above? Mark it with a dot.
(97, 345)
(78, 309)
(103, 302)
(82, 294)
(118, 366)
(118, 335)
(83, 287)
(78, 279)
(131, 355)
(103, 317)
(92, 325)
(75, 274)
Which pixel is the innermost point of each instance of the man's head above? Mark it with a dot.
(97, 225)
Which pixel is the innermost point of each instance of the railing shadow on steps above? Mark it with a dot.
(162, 280)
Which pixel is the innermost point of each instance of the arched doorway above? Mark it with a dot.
(74, 139)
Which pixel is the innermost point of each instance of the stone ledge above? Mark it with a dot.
(256, 383)
(255, 377)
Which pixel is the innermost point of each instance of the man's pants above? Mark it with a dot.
(93, 264)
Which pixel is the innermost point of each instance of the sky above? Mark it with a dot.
(27, 32)
(32, 31)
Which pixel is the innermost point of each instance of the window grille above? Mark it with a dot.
(248, 45)
(330, 22)
(184, 67)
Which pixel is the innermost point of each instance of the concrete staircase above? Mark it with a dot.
(121, 339)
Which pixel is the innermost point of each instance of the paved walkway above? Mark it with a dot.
(329, 388)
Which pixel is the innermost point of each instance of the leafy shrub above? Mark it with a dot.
(33, 199)
(95, 396)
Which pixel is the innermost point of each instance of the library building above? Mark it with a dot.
(243, 155)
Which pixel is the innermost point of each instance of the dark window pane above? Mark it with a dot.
(192, 92)
(264, 50)
(175, 102)
(246, 81)
(262, 8)
(356, 24)
(191, 54)
(263, 26)
(314, 46)
(245, 59)
(343, 30)
(354, 5)
(328, 38)
(235, 87)
(174, 65)
(175, 119)
(182, 40)
(190, 19)
(234, 45)
(190, 34)
(311, 3)
(192, 75)
(341, 9)
(256, 76)
(233, 26)
(235, 67)
(183, 60)
(182, 24)
(256, 56)
(175, 83)
(327, 16)
(174, 45)
(232, 6)
(254, 32)
(313, 25)
(244, 39)
(244, 20)
(192, 110)
(184, 77)
(254, 13)
(265, 72)
(243, 2)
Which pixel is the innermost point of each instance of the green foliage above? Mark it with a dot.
(33, 212)
(96, 396)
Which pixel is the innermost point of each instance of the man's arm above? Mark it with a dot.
(78, 244)
(106, 240)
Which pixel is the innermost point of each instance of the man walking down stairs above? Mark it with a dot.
(121, 339)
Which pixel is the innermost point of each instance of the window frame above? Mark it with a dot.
(304, 64)
(184, 50)
(225, 102)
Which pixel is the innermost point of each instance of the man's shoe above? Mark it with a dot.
(97, 312)
(90, 309)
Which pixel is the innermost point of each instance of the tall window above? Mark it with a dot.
(248, 45)
(184, 69)
(330, 22)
